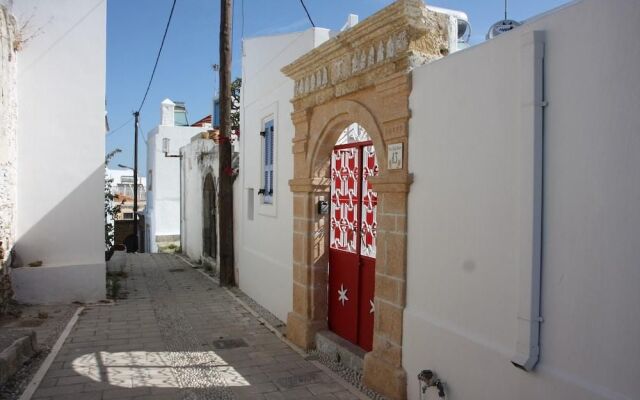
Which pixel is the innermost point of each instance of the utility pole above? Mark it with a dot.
(135, 184)
(225, 186)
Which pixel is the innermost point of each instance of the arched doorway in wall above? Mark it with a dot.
(362, 75)
(352, 237)
(209, 237)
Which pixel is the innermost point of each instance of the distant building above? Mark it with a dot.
(122, 189)
(162, 212)
(199, 194)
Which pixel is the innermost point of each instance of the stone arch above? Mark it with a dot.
(383, 110)
(331, 120)
(209, 216)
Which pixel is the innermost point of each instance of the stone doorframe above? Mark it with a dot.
(362, 75)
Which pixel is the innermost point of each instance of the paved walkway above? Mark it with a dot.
(178, 336)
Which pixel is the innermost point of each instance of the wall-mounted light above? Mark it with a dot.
(166, 147)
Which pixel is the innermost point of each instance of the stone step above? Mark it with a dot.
(17, 346)
(340, 350)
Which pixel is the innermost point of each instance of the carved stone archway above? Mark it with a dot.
(362, 75)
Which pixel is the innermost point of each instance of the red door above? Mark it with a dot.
(352, 249)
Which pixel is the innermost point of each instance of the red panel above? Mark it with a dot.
(366, 309)
(343, 294)
(352, 243)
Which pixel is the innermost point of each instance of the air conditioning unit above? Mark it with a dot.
(459, 28)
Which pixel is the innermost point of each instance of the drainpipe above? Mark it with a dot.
(527, 350)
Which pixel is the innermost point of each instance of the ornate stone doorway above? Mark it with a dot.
(362, 75)
(209, 237)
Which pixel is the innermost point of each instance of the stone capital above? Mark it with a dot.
(392, 182)
(310, 185)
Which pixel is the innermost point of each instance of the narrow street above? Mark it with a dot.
(177, 335)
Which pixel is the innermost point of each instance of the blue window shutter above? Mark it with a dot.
(268, 162)
(216, 113)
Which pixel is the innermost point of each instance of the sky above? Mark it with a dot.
(135, 28)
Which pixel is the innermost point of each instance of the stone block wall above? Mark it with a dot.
(8, 120)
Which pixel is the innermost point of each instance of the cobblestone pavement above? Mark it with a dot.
(178, 336)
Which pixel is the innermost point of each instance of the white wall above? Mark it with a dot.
(61, 94)
(464, 231)
(199, 158)
(263, 245)
(162, 211)
(8, 134)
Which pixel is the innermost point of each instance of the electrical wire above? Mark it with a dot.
(242, 18)
(112, 131)
(307, 11)
(144, 138)
(166, 29)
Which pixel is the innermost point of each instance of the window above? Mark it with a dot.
(267, 163)
(127, 215)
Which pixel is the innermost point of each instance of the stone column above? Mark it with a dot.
(310, 259)
(383, 370)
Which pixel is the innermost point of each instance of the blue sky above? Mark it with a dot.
(134, 31)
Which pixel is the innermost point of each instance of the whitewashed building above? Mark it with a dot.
(122, 188)
(508, 224)
(162, 213)
(262, 199)
(52, 133)
(199, 195)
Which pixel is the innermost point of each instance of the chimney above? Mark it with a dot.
(167, 116)
(352, 20)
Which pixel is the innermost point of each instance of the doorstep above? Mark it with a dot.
(341, 350)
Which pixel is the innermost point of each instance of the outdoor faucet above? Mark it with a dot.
(429, 379)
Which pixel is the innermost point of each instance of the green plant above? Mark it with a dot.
(110, 209)
(235, 105)
(113, 286)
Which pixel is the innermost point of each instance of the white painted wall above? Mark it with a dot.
(199, 158)
(61, 92)
(263, 245)
(162, 212)
(8, 134)
(464, 231)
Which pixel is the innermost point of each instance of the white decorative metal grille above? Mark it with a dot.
(368, 222)
(344, 199)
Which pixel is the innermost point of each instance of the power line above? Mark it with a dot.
(142, 134)
(112, 131)
(242, 17)
(307, 11)
(166, 29)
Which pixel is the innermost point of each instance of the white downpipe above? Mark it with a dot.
(529, 319)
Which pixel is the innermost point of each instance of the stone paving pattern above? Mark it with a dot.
(178, 336)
